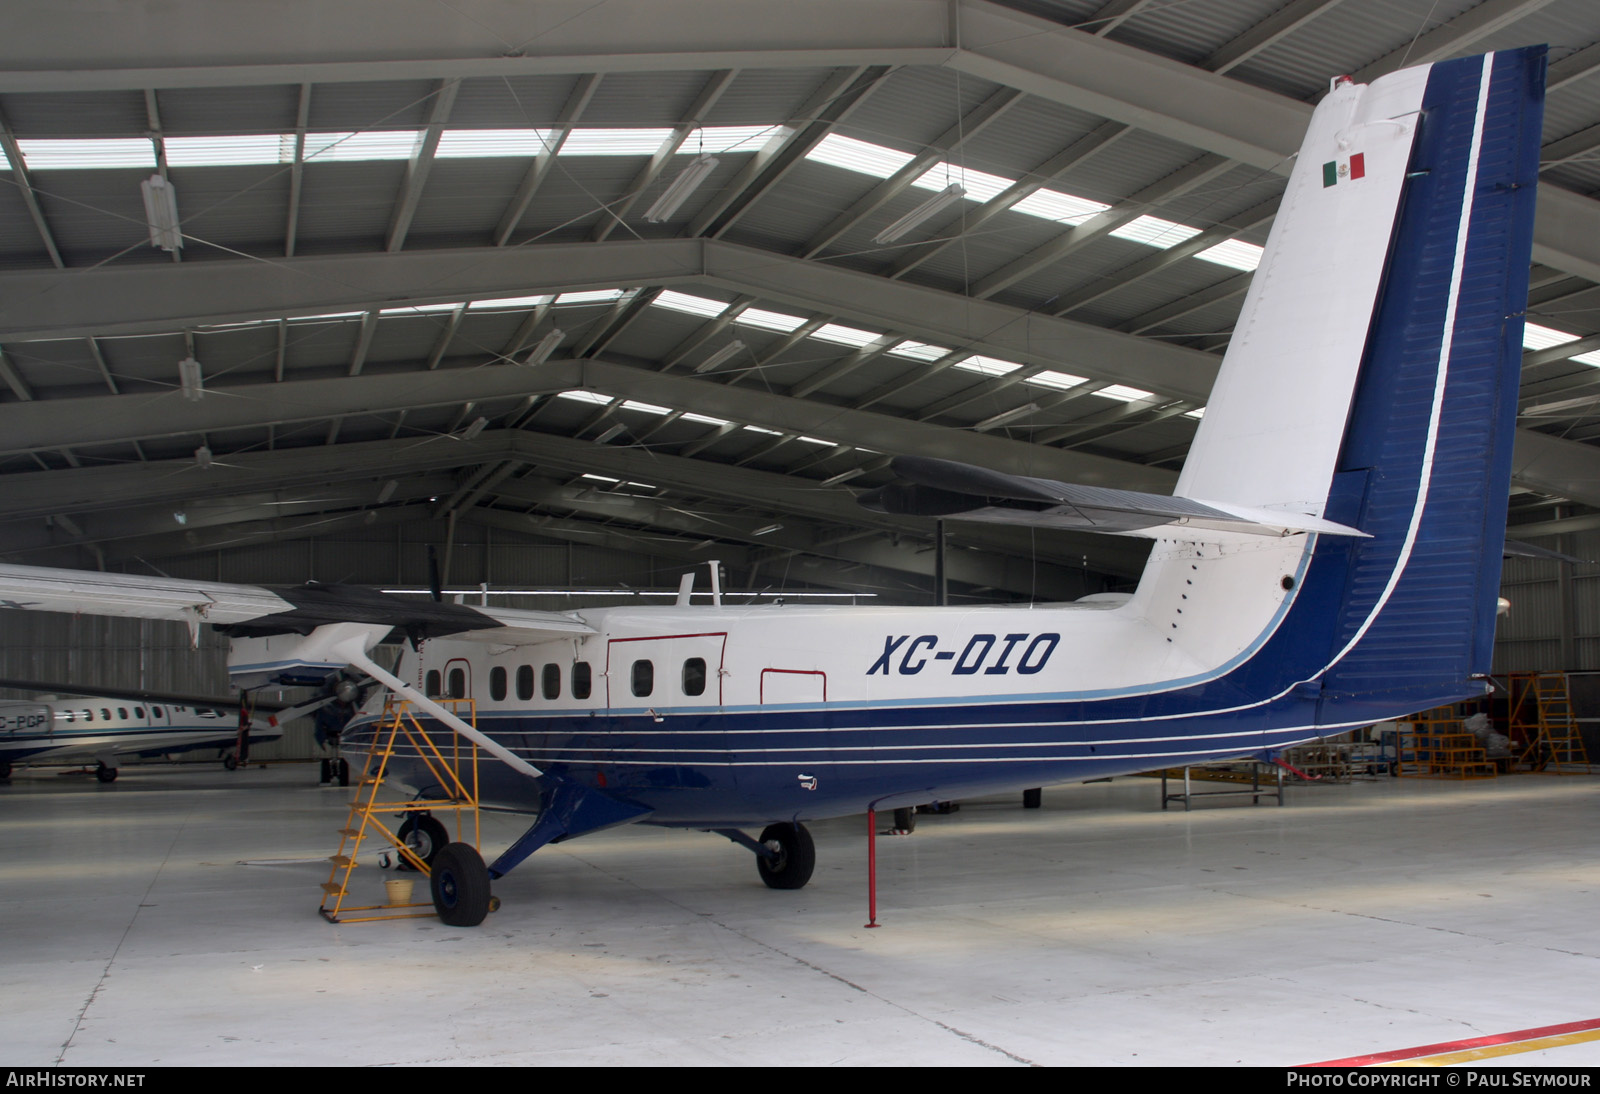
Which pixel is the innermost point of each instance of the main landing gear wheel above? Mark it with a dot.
(425, 836)
(793, 856)
(905, 820)
(1032, 799)
(230, 762)
(106, 774)
(344, 771)
(5, 769)
(460, 884)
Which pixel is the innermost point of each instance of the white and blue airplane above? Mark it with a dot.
(1330, 557)
(105, 728)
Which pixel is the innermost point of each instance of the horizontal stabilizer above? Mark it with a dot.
(1517, 549)
(943, 488)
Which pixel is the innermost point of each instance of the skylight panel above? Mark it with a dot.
(421, 309)
(920, 351)
(703, 419)
(988, 366)
(1197, 413)
(1155, 232)
(845, 336)
(245, 149)
(1592, 358)
(1235, 253)
(466, 143)
(372, 144)
(768, 320)
(648, 408)
(1059, 207)
(854, 155)
(510, 302)
(324, 316)
(1059, 380)
(591, 296)
(763, 429)
(585, 397)
(88, 154)
(589, 474)
(722, 139)
(816, 440)
(1125, 394)
(979, 185)
(690, 305)
(614, 142)
(1535, 336)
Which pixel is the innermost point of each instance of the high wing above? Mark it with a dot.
(943, 488)
(259, 610)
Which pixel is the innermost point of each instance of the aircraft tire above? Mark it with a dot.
(905, 819)
(1032, 799)
(425, 836)
(230, 761)
(795, 858)
(106, 774)
(460, 884)
(5, 769)
(327, 772)
(344, 771)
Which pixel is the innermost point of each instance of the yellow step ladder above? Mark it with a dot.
(1555, 746)
(457, 774)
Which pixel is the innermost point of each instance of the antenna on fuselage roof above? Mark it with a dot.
(716, 581)
(685, 589)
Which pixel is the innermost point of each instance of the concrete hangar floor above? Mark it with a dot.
(170, 919)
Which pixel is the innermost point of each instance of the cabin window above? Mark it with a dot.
(497, 683)
(458, 684)
(69, 715)
(138, 712)
(105, 713)
(582, 680)
(551, 681)
(155, 712)
(88, 716)
(644, 677)
(122, 712)
(524, 682)
(430, 687)
(694, 676)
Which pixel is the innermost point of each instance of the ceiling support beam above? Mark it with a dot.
(539, 169)
(421, 163)
(19, 175)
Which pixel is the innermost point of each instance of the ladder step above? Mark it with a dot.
(349, 831)
(330, 887)
(341, 860)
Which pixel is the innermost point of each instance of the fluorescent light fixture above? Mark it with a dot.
(471, 432)
(1006, 416)
(202, 457)
(687, 182)
(161, 213)
(388, 490)
(704, 419)
(721, 357)
(610, 434)
(190, 382)
(547, 345)
(767, 530)
(922, 213)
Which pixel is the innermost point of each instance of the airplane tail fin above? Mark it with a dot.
(1372, 381)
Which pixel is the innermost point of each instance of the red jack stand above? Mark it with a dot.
(872, 868)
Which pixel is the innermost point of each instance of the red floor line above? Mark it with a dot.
(1456, 1046)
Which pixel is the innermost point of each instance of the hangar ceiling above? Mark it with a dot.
(428, 270)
